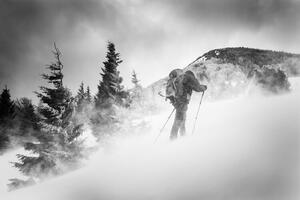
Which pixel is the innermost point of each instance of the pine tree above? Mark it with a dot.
(56, 143)
(55, 99)
(134, 79)
(80, 98)
(7, 108)
(136, 92)
(88, 95)
(7, 113)
(110, 90)
(27, 118)
(4, 140)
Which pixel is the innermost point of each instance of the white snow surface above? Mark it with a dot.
(243, 148)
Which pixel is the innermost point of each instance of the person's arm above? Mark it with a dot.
(193, 83)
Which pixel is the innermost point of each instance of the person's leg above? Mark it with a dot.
(176, 125)
(182, 125)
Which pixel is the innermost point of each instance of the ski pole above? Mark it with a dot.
(164, 125)
(197, 113)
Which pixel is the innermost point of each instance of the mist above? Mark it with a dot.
(243, 148)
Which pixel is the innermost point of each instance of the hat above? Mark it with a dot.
(176, 72)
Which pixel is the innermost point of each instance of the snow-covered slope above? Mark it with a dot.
(243, 148)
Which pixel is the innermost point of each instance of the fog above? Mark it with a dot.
(243, 148)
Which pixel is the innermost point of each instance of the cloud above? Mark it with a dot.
(234, 13)
(23, 21)
(32, 26)
(149, 35)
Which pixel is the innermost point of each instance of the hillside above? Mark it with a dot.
(231, 71)
(242, 149)
(247, 57)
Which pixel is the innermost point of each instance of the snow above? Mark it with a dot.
(89, 139)
(243, 148)
(295, 84)
(7, 169)
(202, 59)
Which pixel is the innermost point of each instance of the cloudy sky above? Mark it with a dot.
(152, 36)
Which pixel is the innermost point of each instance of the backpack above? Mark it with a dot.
(175, 77)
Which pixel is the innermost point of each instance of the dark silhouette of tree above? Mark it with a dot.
(110, 90)
(80, 98)
(88, 95)
(27, 118)
(7, 107)
(7, 114)
(56, 98)
(83, 99)
(4, 140)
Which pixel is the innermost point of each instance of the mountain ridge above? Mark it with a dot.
(242, 64)
(258, 56)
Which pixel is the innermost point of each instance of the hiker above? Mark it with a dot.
(179, 90)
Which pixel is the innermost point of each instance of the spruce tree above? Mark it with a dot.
(136, 92)
(135, 80)
(4, 140)
(110, 90)
(27, 118)
(7, 113)
(56, 98)
(88, 95)
(7, 108)
(56, 143)
(80, 98)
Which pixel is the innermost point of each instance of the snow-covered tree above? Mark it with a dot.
(83, 100)
(136, 92)
(135, 80)
(56, 143)
(271, 79)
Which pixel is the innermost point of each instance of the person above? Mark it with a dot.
(184, 84)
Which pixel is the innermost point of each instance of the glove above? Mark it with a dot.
(204, 88)
(172, 100)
